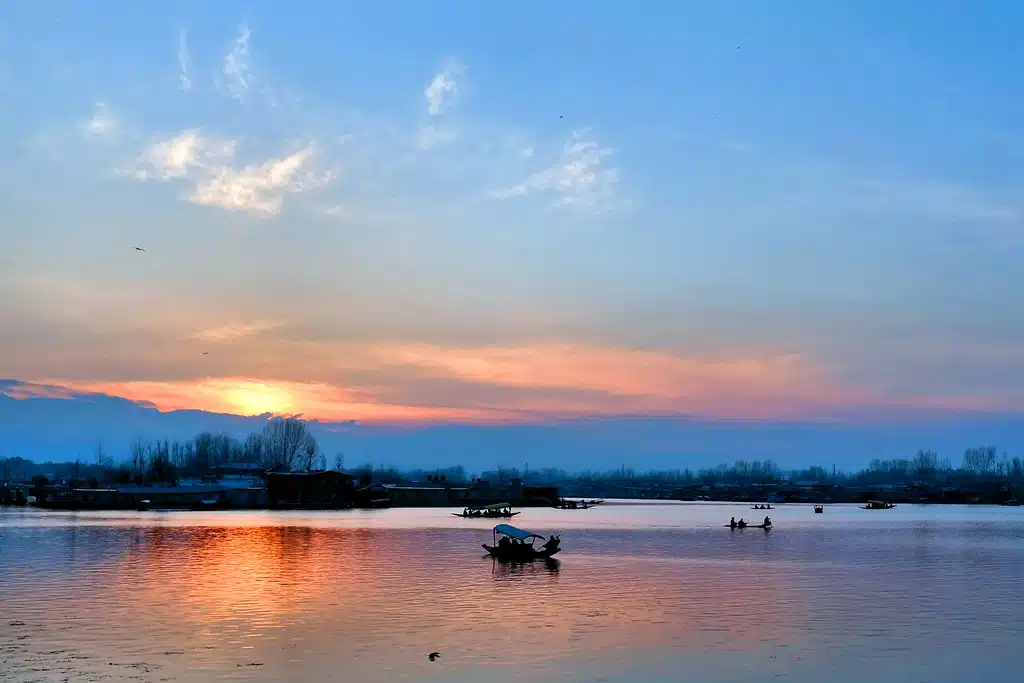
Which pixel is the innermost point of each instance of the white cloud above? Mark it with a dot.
(183, 79)
(227, 333)
(432, 136)
(444, 87)
(258, 188)
(176, 157)
(102, 123)
(578, 178)
(339, 212)
(236, 65)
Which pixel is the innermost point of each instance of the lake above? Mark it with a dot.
(641, 592)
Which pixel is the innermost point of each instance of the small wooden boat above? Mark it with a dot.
(749, 526)
(878, 505)
(761, 507)
(517, 545)
(819, 509)
(496, 511)
(566, 504)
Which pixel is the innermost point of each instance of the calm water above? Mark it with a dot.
(641, 593)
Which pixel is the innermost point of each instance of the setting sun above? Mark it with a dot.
(257, 398)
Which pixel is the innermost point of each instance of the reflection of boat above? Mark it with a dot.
(878, 505)
(496, 511)
(517, 545)
(819, 508)
(503, 568)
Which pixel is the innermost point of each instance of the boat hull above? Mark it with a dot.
(519, 554)
(459, 514)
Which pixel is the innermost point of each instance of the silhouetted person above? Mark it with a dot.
(741, 523)
(732, 522)
(767, 521)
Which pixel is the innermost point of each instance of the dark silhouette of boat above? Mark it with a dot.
(819, 509)
(517, 545)
(496, 511)
(878, 505)
(749, 526)
(766, 506)
(565, 504)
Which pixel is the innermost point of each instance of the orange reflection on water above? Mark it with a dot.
(362, 590)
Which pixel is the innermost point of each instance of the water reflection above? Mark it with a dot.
(507, 569)
(296, 602)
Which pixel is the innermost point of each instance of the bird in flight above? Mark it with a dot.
(434, 655)
(206, 353)
(139, 249)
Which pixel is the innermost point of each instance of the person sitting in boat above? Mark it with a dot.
(551, 543)
(732, 522)
(741, 523)
(767, 521)
(503, 543)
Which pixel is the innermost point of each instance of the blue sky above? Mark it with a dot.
(454, 212)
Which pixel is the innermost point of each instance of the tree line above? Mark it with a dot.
(287, 444)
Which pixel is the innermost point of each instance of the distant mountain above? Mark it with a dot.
(50, 428)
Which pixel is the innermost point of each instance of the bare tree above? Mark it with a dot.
(339, 462)
(287, 441)
(980, 461)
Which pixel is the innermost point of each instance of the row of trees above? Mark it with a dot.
(284, 443)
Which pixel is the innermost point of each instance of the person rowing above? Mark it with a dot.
(732, 523)
(741, 524)
(767, 522)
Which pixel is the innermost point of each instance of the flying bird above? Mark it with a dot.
(433, 655)
(139, 249)
(206, 353)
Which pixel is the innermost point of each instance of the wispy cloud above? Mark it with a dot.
(259, 188)
(227, 333)
(176, 157)
(256, 188)
(430, 137)
(183, 67)
(444, 87)
(237, 74)
(579, 177)
(102, 123)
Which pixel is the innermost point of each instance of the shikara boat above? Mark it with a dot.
(878, 505)
(566, 504)
(517, 545)
(496, 511)
(765, 506)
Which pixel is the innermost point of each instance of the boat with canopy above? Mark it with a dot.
(503, 510)
(878, 505)
(511, 543)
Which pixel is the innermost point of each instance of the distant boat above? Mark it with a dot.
(877, 505)
(565, 504)
(766, 527)
(766, 506)
(518, 545)
(1012, 503)
(496, 511)
(819, 509)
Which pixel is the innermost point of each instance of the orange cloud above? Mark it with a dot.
(244, 396)
(413, 383)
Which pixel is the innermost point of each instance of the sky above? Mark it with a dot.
(409, 214)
